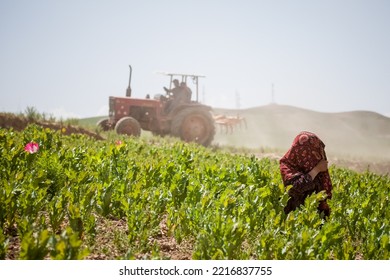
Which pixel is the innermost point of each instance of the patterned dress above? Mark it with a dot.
(305, 153)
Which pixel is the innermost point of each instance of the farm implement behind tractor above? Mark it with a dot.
(229, 123)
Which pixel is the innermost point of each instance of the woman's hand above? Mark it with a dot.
(321, 166)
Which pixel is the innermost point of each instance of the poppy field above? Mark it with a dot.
(58, 191)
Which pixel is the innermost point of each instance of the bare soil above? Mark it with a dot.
(19, 123)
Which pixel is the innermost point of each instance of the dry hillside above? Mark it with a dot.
(360, 136)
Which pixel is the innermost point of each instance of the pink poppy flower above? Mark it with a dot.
(31, 147)
(119, 144)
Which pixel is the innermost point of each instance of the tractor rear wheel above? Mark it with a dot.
(128, 126)
(194, 125)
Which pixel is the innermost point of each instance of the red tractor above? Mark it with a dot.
(187, 119)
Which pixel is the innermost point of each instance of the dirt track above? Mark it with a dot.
(378, 167)
(19, 123)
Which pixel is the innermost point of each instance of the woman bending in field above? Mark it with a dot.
(305, 167)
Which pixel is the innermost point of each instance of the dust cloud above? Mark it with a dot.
(357, 136)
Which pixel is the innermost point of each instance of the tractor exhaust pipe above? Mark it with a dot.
(128, 91)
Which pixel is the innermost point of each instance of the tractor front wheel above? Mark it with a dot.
(104, 124)
(128, 126)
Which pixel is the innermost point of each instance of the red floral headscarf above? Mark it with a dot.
(305, 153)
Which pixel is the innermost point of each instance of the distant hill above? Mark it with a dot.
(357, 134)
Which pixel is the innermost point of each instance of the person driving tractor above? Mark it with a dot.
(180, 93)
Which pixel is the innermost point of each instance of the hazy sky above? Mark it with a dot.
(67, 57)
